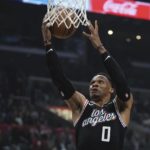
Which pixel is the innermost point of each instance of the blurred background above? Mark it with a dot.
(32, 113)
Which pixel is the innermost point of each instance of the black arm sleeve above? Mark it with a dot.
(117, 76)
(62, 83)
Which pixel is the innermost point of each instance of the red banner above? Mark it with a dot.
(126, 8)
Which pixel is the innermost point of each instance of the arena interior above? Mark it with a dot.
(33, 115)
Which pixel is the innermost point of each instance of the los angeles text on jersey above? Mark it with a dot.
(98, 116)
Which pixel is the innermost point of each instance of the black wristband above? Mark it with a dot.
(48, 47)
(105, 55)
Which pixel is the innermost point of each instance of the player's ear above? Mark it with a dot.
(112, 90)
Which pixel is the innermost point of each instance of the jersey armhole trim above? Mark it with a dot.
(118, 113)
(84, 106)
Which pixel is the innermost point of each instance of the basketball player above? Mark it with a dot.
(100, 122)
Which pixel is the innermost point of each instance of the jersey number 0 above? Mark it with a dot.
(106, 134)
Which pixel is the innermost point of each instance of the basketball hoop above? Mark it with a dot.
(74, 10)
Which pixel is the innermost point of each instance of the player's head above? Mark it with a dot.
(100, 87)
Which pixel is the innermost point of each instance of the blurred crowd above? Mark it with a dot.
(39, 137)
(23, 126)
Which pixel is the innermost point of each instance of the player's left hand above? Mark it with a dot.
(93, 36)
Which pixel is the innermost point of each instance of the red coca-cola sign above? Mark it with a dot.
(126, 8)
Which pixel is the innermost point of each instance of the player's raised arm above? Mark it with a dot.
(113, 68)
(72, 97)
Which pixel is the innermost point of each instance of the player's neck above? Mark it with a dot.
(102, 101)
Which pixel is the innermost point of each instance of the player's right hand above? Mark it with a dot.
(45, 31)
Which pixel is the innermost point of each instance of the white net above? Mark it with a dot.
(59, 11)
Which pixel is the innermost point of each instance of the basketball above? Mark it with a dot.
(61, 31)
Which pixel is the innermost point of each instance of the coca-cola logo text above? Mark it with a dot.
(126, 8)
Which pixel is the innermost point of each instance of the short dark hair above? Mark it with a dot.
(107, 76)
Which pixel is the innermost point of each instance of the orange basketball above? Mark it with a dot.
(62, 32)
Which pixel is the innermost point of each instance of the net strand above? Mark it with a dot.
(58, 11)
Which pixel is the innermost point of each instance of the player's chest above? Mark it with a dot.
(98, 117)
